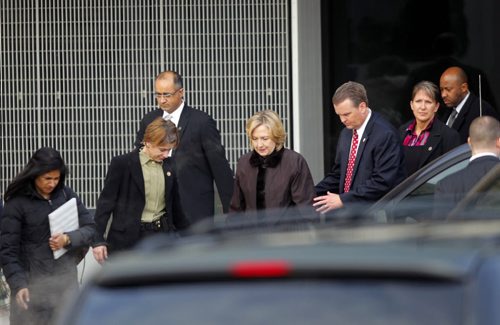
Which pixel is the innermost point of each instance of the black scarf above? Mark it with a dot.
(263, 163)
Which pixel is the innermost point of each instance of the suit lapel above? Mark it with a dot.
(362, 144)
(184, 120)
(459, 121)
(345, 149)
(182, 125)
(167, 172)
(433, 141)
(136, 171)
(431, 145)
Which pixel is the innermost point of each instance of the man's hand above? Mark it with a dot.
(327, 202)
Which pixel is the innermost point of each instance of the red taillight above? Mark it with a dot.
(260, 269)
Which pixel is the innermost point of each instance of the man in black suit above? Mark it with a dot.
(200, 156)
(484, 140)
(463, 106)
(369, 158)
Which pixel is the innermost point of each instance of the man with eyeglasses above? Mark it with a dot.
(200, 157)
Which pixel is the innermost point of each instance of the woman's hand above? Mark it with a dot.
(58, 241)
(100, 253)
(22, 298)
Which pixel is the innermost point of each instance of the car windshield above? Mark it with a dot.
(359, 301)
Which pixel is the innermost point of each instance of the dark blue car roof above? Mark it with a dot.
(445, 251)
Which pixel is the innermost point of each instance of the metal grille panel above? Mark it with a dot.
(78, 75)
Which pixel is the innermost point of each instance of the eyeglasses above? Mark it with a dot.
(166, 95)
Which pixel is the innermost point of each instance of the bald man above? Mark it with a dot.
(463, 105)
(484, 141)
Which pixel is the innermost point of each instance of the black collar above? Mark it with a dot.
(272, 160)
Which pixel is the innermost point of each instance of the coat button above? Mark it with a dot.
(430, 148)
(169, 174)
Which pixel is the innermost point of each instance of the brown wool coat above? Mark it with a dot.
(289, 183)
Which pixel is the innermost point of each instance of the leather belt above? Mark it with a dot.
(151, 226)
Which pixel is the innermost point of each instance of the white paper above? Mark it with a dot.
(63, 219)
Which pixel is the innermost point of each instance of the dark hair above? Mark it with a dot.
(43, 161)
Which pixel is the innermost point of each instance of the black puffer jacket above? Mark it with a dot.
(26, 257)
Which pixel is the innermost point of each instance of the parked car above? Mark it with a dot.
(295, 267)
(413, 199)
(482, 201)
(383, 274)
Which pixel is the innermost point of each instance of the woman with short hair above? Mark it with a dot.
(270, 176)
(425, 137)
(140, 193)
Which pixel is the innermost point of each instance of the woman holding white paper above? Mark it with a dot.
(36, 279)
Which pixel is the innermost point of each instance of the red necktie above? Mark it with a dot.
(352, 159)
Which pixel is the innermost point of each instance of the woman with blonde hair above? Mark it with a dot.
(270, 176)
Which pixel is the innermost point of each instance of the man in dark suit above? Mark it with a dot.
(369, 158)
(200, 156)
(463, 106)
(484, 140)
